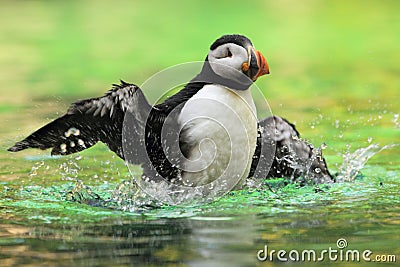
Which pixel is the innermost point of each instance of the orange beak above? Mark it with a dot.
(261, 63)
(255, 57)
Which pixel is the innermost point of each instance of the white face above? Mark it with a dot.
(226, 60)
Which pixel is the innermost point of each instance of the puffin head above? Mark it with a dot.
(233, 57)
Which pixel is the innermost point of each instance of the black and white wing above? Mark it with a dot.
(90, 121)
(293, 157)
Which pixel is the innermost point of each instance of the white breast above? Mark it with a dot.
(219, 131)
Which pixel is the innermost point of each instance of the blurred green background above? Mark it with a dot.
(335, 72)
(332, 62)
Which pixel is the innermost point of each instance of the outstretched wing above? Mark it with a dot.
(293, 157)
(90, 121)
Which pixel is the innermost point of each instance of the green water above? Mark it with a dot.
(334, 72)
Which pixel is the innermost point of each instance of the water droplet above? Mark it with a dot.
(324, 145)
(395, 118)
(317, 170)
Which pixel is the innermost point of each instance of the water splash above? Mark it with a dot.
(129, 197)
(69, 169)
(354, 162)
(396, 121)
(34, 170)
(306, 168)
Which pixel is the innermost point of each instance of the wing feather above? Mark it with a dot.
(280, 152)
(88, 122)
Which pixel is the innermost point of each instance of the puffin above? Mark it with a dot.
(207, 131)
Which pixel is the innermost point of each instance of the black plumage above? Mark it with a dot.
(132, 128)
(101, 119)
(231, 38)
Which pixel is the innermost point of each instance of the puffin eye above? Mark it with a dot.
(222, 52)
